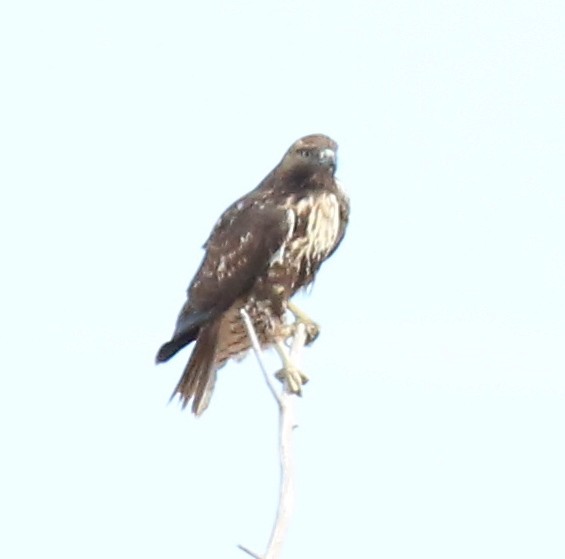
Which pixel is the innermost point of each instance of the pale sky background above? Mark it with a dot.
(433, 425)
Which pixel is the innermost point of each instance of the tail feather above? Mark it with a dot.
(188, 325)
(199, 376)
(167, 350)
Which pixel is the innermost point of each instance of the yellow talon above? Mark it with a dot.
(293, 377)
(312, 328)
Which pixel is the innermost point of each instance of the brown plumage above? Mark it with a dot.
(265, 246)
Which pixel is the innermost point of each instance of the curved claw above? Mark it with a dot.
(312, 332)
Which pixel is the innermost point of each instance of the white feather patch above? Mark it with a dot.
(322, 226)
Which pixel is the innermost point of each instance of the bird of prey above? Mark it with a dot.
(263, 249)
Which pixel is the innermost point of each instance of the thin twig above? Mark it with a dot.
(257, 350)
(249, 552)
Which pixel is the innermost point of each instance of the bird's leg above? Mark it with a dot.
(312, 328)
(290, 373)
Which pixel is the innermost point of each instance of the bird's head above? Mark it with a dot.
(311, 154)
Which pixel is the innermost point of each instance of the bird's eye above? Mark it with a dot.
(304, 153)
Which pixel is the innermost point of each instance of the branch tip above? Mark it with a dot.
(249, 552)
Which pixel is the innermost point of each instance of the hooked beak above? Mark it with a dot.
(328, 157)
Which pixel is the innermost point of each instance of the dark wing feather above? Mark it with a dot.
(186, 330)
(239, 249)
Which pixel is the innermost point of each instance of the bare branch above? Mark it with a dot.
(287, 423)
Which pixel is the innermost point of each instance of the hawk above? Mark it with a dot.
(263, 249)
